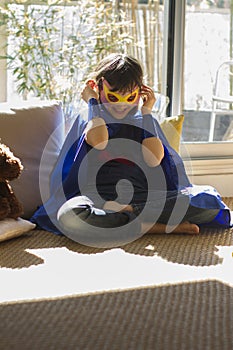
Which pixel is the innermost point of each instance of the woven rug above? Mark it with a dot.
(159, 292)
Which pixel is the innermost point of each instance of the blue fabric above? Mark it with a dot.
(64, 181)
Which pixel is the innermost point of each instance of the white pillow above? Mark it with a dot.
(10, 228)
(26, 130)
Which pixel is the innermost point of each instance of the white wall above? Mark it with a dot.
(217, 173)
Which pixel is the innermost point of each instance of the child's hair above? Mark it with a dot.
(122, 72)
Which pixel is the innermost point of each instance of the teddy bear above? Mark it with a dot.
(10, 169)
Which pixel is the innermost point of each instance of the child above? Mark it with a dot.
(120, 177)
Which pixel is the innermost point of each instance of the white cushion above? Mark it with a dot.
(10, 228)
(30, 129)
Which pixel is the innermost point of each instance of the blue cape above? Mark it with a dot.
(64, 182)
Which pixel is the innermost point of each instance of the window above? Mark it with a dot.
(200, 40)
(208, 43)
(211, 162)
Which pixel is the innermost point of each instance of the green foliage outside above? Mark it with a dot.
(54, 47)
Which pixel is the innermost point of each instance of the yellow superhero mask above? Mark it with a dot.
(108, 96)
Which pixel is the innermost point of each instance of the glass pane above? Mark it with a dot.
(208, 43)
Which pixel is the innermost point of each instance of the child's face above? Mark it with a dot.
(116, 103)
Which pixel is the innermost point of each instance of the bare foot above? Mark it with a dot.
(115, 206)
(184, 227)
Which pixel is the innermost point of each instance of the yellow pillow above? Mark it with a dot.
(172, 128)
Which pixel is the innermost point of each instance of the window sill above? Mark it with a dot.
(207, 150)
(210, 164)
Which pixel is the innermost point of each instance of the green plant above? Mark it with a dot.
(52, 47)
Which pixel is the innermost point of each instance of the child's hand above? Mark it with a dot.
(89, 91)
(148, 98)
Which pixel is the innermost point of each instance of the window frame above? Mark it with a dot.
(206, 162)
(174, 85)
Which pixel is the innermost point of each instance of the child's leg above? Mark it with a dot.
(79, 210)
(193, 217)
(200, 215)
(79, 220)
(184, 227)
(189, 225)
(117, 207)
